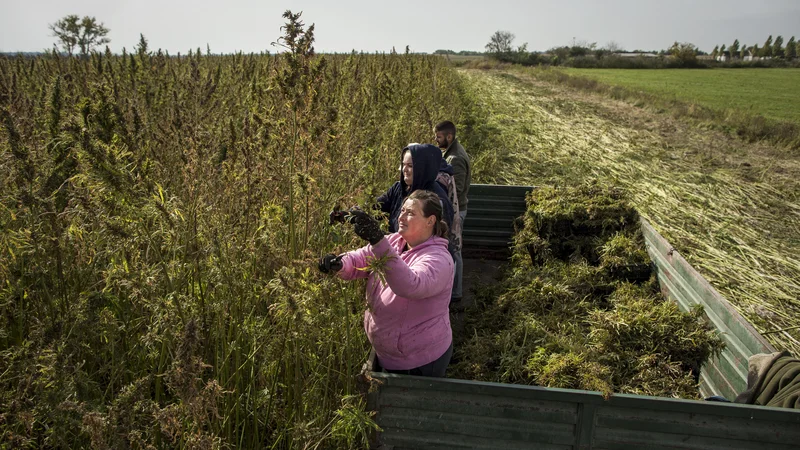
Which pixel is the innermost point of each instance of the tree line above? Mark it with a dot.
(612, 55)
(769, 49)
(84, 34)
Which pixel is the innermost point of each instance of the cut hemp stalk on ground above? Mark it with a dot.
(730, 208)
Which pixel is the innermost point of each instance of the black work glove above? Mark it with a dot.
(337, 215)
(366, 227)
(330, 263)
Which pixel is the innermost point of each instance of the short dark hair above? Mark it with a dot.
(447, 127)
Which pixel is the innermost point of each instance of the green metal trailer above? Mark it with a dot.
(430, 413)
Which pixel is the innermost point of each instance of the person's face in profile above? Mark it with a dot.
(407, 168)
(412, 224)
(443, 140)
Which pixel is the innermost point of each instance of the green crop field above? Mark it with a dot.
(772, 93)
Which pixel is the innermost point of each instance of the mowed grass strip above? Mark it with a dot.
(771, 93)
(731, 208)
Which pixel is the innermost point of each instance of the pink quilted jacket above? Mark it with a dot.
(408, 320)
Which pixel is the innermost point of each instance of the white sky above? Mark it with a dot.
(344, 25)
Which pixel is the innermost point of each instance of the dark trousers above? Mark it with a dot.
(432, 369)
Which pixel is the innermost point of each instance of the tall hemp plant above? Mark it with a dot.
(296, 80)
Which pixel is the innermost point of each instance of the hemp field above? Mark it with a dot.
(161, 218)
(160, 222)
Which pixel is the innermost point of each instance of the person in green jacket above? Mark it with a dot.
(456, 156)
(773, 379)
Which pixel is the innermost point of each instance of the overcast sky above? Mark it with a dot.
(425, 26)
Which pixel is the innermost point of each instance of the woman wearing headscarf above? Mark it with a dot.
(419, 167)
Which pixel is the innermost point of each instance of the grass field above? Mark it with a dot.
(461, 59)
(772, 93)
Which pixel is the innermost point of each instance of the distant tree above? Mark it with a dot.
(743, 51)
(502, 50)
(500, 43)
(766, 49)
(755, 51)
(722, 50)
(444, 52)
(67, 31)
(613, 47)
(599, 53)
(790, 52)
(684, 52)
(521, 55)
(92, 35)
(734, 49)
(715, 52)
(562, 53)
(777, 47)
(84, 34)
(578, 50)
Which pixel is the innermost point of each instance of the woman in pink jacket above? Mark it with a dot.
(407, 321)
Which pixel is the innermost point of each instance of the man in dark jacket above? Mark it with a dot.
(456, 156)
(419, 168)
